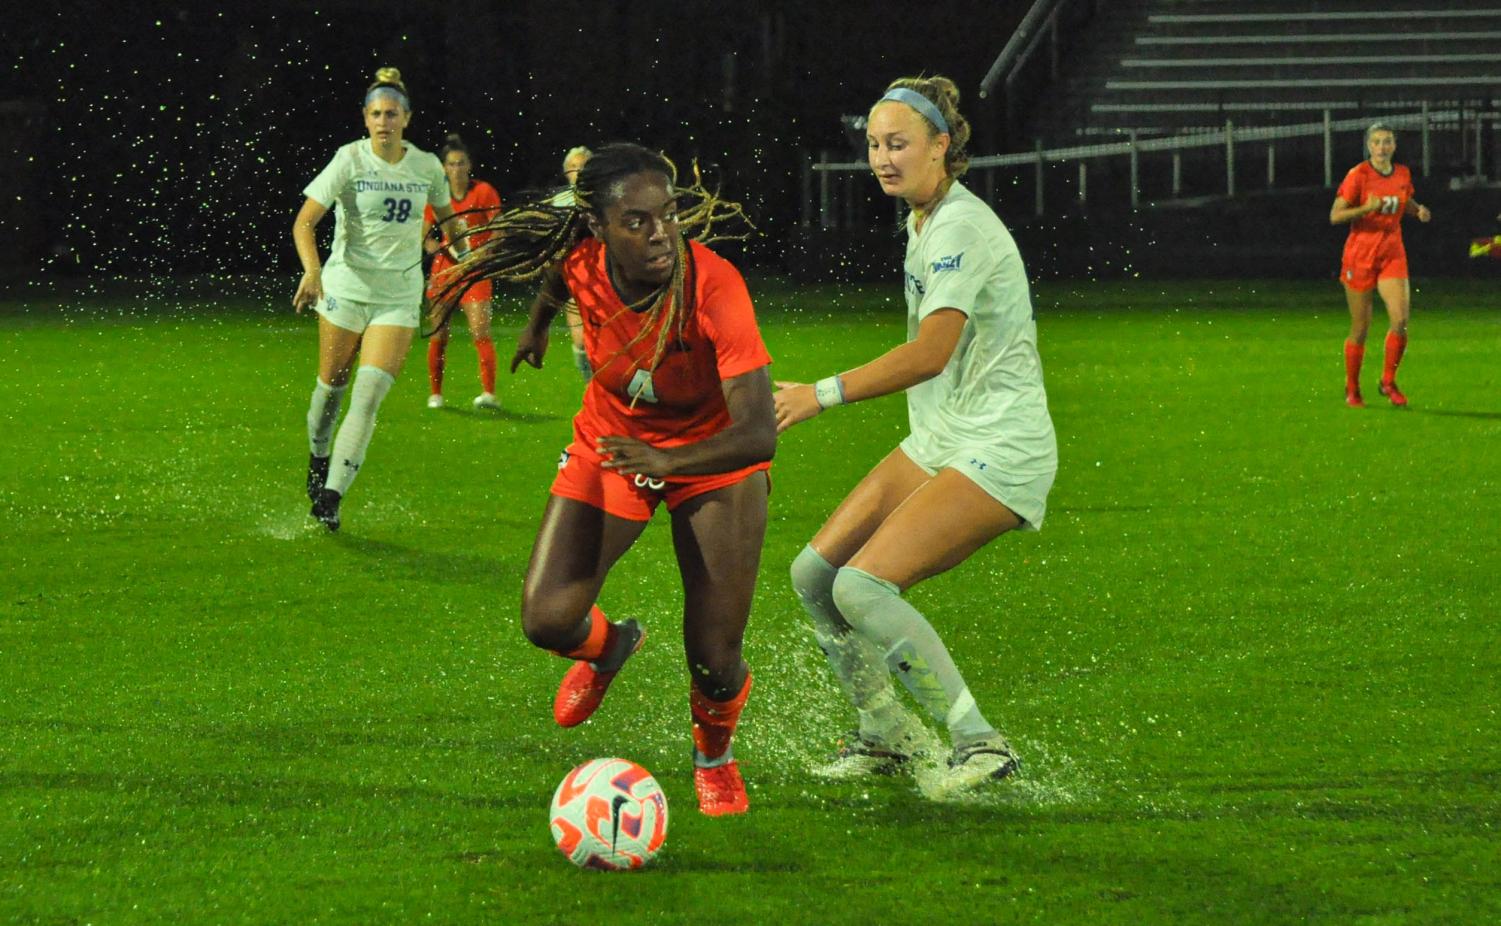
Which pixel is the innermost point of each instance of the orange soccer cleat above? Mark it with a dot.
(1390, 390)
(584, 685)
(721, 790)
(1353, 399)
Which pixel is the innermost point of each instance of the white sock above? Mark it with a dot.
(876, 609)
(856, 662)
(322, 412)
(581, 361)
(370, 387)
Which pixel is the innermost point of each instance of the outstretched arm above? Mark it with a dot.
(453, 229)
(906, 365)
(304, 237)
(531, 344)
(751, 437)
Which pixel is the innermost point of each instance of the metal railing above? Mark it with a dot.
(833, 207)
(1040, 22)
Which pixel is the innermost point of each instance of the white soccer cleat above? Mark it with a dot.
(980, 760)
(859, 757)
(863, 753)
(486, 400)
(435, 400)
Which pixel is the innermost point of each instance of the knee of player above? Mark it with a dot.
(550, 627)
(812, 576)
(858, 594)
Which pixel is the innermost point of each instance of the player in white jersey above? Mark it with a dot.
(978, 463)
(369, 294)
(573, 162)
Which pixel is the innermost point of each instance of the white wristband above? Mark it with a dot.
(829, 392)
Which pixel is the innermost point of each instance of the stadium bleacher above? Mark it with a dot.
(1167, 66)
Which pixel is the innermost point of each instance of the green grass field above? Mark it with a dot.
(1250, 662)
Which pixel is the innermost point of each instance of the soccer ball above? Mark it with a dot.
(610, 814)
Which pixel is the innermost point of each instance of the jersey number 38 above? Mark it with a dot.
(397, 210)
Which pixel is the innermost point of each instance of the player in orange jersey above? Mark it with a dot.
(475, 202)
(1373, 198)
(677, 412)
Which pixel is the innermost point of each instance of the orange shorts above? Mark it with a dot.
(583, 479)
(483, 291)
(1366, 262)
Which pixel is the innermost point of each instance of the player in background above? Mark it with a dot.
(1373, 198)
(678, 412)
(573, 162)
(475, 202)
(979, 460)
(369, 295)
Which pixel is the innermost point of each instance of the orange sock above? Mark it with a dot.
(598, 641)
(714, 721)
(436, 345)
(1396, 344)
(1354, 354)
(486, 349)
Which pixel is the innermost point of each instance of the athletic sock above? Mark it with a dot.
(1396, 345)
(604, 646)
(856, 662)
(322, 412)
(437, 346)
(581, 361)
(875, 608)
(714, 724)
(1354, 355)
(485, 347)
(370, 387)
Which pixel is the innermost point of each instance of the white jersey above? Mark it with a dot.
(988, 406)
(377, 250)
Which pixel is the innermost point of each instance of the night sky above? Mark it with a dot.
(171, 138)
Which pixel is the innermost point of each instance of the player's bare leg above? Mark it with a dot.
(576, 335)
(1397, 295)
(576, 546)
(938, 526)
(718, 538)
(888, 734)
(478, 316)
(1360, 304)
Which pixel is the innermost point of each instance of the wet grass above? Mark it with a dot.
(1250, 660)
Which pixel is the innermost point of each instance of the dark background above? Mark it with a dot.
(149, 139)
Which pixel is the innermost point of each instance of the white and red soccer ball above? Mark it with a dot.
(610, 814)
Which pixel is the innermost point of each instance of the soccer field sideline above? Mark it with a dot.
(1246, 661)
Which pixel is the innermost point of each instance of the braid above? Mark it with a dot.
(527, 241)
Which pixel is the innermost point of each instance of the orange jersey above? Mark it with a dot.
(478, 206)
(682, 400)
(1395, 189)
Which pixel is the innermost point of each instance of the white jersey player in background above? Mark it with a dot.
(369, 294)
(573, 162)
(979, 461)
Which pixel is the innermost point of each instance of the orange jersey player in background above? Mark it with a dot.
(1374, 197)
(475, 202)
(677, 412)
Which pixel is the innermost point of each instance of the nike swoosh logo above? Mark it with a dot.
(620, 801)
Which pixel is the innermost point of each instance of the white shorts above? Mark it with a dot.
(357, 316)
(1026, 496)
